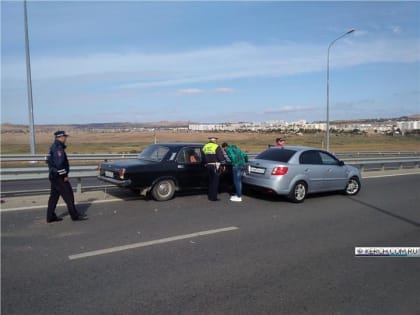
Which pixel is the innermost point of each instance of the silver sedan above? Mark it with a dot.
(298, 171)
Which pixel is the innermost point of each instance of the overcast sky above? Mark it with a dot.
(135, 61)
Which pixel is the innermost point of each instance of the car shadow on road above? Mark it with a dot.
(127, 194)
(263, 195)
(388, 213)
(273, 197)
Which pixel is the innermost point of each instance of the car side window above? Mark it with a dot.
(328, 159)
(189, 156)
(154, 153)
(310, 157)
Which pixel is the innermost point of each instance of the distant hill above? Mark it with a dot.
(375, 120)
(15, 128)
(49, 128)
(159, 124)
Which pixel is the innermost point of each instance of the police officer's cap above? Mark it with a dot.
(213, 138)
(60, 133)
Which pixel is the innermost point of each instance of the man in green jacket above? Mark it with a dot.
(238, 159)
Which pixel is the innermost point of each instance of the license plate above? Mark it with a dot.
(109, 174)
(257, 170)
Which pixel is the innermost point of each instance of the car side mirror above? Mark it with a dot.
(341, 163)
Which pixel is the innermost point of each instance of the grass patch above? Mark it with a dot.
(134, 142)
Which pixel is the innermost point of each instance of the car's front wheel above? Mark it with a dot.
(163, 190)
(299, 192)
(353, 186)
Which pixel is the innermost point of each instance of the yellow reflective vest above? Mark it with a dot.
(210, 148)
(213, 153)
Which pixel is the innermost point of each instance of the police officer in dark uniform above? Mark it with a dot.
(58, 165)
(215, 162)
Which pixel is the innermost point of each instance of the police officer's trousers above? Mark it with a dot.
(213, 182)
(62, 188)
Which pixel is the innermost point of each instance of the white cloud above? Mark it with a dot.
(360, 33)
(193, 91)
(223, 91)
(345, 105)
(236, 61)
(190, 92)
(395, 29)
(290, 109)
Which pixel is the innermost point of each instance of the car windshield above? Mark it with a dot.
(154, 153)
(278, 155)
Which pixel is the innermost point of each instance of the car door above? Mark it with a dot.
(311, 167)
(191, 172)
(335, 175)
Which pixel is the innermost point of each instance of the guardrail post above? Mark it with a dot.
(79, 185)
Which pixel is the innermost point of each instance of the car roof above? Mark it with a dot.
(179, 144)
(295, 148)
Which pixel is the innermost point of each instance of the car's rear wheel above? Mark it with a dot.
(353, 186)
(163, 190)
(299, 192)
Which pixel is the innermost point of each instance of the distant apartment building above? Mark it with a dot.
(316, 126)
(381, 127)
(205, 127)
(408, 125)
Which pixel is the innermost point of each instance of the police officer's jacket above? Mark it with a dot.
(57, 161)
(213, 153)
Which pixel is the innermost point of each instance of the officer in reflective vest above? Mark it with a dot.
(215, 161)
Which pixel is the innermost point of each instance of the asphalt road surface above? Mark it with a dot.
(191, 256)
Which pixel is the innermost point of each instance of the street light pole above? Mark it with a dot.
(29, 83)
(328, 87)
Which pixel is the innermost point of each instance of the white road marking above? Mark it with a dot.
(149, 243)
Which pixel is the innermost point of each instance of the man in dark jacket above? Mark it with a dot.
(59, 169)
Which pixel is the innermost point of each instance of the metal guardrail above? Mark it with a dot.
(82, 157)
(373, 164)
(33, 173)
(96, 157)
(379, 162)
(342, 154)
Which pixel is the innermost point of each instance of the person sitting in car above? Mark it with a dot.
(193, 157)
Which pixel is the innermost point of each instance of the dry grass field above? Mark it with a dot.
(132, 142)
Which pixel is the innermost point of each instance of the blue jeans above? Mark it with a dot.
(237, 180)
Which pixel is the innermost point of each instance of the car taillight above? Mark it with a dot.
(280, 170)
(121, 173)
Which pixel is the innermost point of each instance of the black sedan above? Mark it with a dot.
(162, 169)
